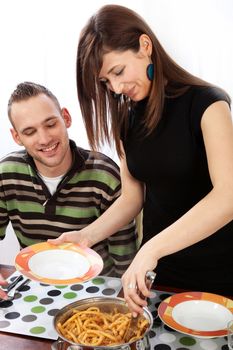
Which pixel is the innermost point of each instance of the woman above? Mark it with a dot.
(173, 133)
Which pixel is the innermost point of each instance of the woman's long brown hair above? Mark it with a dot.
(118, 28)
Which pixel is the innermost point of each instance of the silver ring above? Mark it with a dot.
(131, 286)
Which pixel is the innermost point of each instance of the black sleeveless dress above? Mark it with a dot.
(172, 163)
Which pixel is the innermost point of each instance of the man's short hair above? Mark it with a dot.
(26, 90)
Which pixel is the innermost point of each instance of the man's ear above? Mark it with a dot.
(66, 117)
(145, 44)
(15, 136)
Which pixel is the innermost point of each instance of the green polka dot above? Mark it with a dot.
(38, 309)
(187, 341)
(98, 280)
(30, 298)
(70, 295)
(61, 287)
(37, 330)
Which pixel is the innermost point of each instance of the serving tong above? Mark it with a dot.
(13, 287)
(149, 279)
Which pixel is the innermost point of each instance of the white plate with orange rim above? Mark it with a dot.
(200, 314)
(62, 264)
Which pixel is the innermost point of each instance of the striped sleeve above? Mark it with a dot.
(4, 220)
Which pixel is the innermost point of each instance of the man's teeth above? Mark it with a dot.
(49, 149)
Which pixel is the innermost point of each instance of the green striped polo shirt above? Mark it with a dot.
(88, 189)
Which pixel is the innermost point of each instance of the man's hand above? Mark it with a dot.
(3, 282)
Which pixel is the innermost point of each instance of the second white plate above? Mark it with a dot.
(204, 315)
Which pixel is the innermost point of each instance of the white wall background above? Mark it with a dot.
(38, 41)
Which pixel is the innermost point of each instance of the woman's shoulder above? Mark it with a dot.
(209, 94)
(202, 98)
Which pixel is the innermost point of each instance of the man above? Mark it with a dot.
(53, 186)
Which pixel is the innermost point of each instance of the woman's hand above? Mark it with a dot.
(133, 280)
(79, 237)
(3, 282)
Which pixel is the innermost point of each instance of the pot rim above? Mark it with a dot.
(82, 302)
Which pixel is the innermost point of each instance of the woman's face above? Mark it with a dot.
(124, 72)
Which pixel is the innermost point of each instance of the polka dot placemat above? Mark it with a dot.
(32, 311)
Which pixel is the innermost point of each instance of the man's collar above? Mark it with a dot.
(79, 156)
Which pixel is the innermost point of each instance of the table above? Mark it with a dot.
(161, 337)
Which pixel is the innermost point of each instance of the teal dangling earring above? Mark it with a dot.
(150, 71)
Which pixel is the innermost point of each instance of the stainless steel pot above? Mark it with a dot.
(105, 305)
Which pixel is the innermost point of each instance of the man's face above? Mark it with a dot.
(41, 127)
